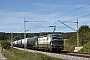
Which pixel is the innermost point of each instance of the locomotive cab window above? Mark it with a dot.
(55, 37)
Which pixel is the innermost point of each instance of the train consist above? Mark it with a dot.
(48, 42)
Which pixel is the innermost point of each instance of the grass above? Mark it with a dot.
(14, 54)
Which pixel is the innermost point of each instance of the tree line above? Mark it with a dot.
(17, 36)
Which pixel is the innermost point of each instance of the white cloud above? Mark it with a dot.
(38, 4)
(54, 5)
(14, 21)
(59, 5)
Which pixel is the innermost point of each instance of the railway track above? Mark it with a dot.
(86, 55)
(80, 55)
(64, 54)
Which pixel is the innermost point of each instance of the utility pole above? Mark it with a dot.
(77, 34)
(24, 33)
(11, 39)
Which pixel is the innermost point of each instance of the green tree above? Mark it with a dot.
(84, 34)
(84, 29)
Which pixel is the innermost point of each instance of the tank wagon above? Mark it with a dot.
(20, 43)
(32, 42)
(24, 42)
(15, 43)
(49, 42)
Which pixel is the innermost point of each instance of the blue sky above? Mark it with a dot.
(13, 12)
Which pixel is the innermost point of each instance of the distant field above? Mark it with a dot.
(14, 54)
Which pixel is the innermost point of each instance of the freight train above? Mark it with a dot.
(48, 42)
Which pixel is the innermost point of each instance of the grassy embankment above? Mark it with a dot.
(14, 54)
(84, 40)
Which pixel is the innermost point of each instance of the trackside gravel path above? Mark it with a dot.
(2, 57)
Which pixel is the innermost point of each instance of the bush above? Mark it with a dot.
(86, 48)
(5, 44)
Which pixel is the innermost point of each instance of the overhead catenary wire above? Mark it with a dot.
(67, 25)
(79, 17)
(37, 25)
(73, 11)
(79, 7)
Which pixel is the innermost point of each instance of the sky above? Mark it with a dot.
(51, 12)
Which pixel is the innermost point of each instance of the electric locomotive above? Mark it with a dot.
(51, 42)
